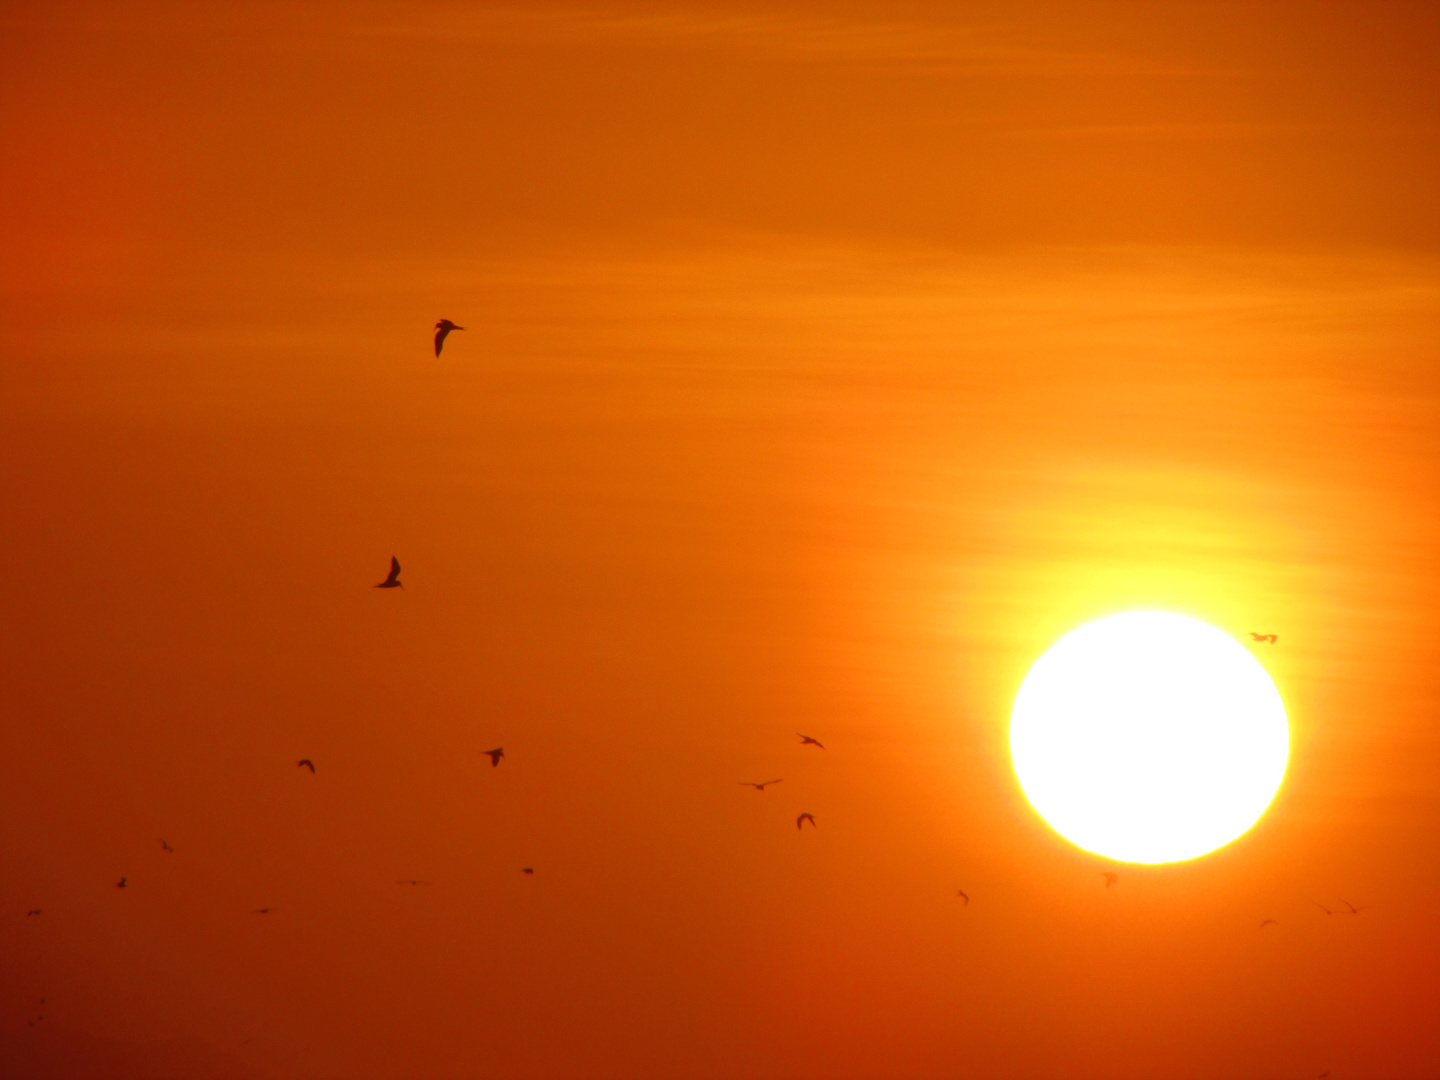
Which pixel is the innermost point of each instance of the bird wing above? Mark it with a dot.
(440, 336)
(394, 570)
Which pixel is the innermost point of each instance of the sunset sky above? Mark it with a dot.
(824, 363)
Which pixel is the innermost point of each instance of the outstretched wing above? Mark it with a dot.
(440, 336)
(394, 570)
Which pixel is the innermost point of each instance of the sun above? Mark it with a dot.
(1149, 737)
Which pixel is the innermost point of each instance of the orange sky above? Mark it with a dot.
(824, 364)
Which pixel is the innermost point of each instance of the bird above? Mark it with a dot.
(393, 581)
(442, 331)
(1271, 638)
(1267, 922)
(800, 821)
(121, 883)
(306, 763)
(528, 869)
(412, 881)
(1322, 907)
(1110, 877)
(1353, 909)
(495, 755)
(166, 846)
(758, 787)
(32, 911)
(806, 740)
(262, 911)
(965, 896)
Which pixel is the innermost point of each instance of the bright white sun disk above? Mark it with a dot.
(1149, 737)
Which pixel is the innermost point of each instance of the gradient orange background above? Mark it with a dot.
(824, 363)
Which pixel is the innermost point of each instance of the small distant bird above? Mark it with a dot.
(393, 581)
(166, 846)
(1353, 909)
(758, 787)
(1110, 877)
(965, 896)
(305, 763)
(529, 869)
(1322, 907)
(442, 331)
(800, 821)
(806, 740)
(495, 755)
(262, 911)
(1271, 638)
(1267, 922)
(121, 883)
(32, 911)
(412, 881)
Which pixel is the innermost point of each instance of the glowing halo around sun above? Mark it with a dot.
(1149, 737)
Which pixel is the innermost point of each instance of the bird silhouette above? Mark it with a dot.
(1271, 638)
(1322, 907)
(32, 911)
(412, 881)
(1353, 909)
(495, 755)
(528, 869)
(758, 787)
(806, 740)
(262, 911)
(1267, 922)
(442, 331)
(800, 821)
(121, 883)
(305, 763)
(965, 896)
(1110, 877)
(166, 846)
(393, 581)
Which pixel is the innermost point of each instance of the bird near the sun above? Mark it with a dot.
(964, 896)
(761, 786)
(806, 740)
(1322, 907)
(495, 755)
(1110, 877)
(1271, 638)
(413, 881)
(262, 911)
(393, 581)
(122, 883)
(166, 847)
(442, 331)
(305, 763)
(33, 911)
(800, 821)
(1353, 909)
(527, 869)
(1268, 922)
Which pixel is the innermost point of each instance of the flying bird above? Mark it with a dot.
(1353, 909)
(1267, 922)
(1110, 877)
(1271, 638)
(412, 881)
(495, 755)
(262, 911)
(806, 740)
(965, 896)
(442, 331)
(306, 763)
(758, 787)
(1322, 907)
(166, 846)
(32, 911)
(528, 869)
(800, 821)
(121, 883)
(393, 581)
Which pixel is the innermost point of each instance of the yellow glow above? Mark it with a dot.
(1149, 737)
